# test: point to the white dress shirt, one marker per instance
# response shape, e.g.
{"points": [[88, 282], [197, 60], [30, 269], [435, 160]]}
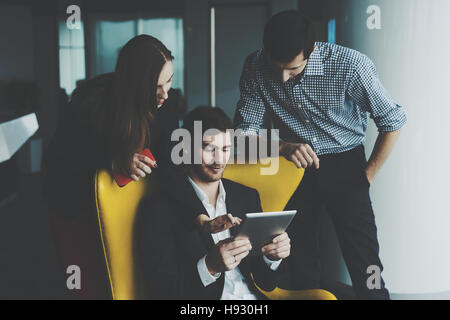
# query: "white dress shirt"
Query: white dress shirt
{"points": [[235, 287]]}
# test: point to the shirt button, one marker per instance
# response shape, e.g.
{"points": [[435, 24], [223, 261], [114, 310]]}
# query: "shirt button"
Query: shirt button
{"points": [[315, 140], [307, 121]]}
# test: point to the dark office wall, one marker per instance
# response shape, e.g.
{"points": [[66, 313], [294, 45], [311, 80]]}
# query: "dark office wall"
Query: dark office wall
{"points": [[46, 67], [197, 52], [241, 24], [318, 11], [16, 40], [28, 265], [28, 42]]}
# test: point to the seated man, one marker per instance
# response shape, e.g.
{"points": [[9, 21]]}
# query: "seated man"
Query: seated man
{"points": [[182, 260]]}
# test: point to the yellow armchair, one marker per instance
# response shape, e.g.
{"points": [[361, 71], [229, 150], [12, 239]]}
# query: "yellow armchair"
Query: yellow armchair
{"points": [[117, 208], [116, 212], [275, 192]]}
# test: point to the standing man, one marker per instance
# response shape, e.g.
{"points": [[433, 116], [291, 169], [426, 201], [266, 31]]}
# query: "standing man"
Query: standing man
{"points": [[319, 96]]}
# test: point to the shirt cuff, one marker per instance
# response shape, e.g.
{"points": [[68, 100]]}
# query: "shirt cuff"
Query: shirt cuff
{"points": [[204, 274], [273, 265], [394, 121], [246, 130]]}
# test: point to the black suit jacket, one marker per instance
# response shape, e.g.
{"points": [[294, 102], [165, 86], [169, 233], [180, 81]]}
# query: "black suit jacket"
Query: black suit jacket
{"points": [[169, 244]]}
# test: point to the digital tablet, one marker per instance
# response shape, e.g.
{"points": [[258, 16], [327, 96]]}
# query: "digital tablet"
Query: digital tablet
{"points": [[260, 228]]}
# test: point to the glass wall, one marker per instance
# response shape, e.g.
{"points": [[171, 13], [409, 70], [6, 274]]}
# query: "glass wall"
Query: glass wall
{"points": [[72, 65], [110, 36]]}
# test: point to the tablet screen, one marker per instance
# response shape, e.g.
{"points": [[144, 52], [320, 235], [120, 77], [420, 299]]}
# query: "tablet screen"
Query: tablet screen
{"points": [[260, 228]]}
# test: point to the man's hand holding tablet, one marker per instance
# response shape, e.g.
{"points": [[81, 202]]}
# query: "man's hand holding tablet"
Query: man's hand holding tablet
{"points": [[267, 233], [280, 248], [227, 255]]}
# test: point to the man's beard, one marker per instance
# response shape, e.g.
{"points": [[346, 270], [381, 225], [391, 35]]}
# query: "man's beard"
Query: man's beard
{"points": [[206, 173]]}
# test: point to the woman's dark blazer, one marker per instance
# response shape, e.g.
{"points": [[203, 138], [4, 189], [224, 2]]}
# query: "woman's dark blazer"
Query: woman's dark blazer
{"points": [[77, 150]]}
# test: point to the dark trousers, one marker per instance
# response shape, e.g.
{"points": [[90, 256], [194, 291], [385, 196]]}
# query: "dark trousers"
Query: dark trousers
{"points": [[340, 185]]}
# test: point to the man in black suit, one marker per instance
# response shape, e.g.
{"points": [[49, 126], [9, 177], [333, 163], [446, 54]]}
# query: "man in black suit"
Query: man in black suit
{"points": [[178, 257]]}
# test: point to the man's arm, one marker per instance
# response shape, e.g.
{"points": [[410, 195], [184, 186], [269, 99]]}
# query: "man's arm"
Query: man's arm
{"points": [[250, 111], [367, 90], [168, 272], [381, 151], [301, 154]]}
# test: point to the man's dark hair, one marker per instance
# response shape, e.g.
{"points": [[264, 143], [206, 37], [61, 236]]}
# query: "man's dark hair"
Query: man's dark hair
{"points": [[287, 34], [211, 118]]}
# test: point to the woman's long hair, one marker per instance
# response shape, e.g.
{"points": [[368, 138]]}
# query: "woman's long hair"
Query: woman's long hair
{"points": [[132, 103]]}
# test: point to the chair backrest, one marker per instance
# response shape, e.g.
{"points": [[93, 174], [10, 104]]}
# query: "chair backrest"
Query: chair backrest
{"points": [[117, 208], [274, 190]]}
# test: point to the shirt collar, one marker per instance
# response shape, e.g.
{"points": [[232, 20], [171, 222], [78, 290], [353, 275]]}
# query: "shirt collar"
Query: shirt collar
{"points": [[314, 67], [202, 195]]}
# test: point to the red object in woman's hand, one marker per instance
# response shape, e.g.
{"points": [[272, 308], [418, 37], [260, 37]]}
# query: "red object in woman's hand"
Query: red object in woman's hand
{"points": [[121, 179]]}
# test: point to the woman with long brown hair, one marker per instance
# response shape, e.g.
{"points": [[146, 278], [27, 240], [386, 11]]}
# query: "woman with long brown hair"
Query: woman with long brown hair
{"points": [[110, 120], [141, 83]]}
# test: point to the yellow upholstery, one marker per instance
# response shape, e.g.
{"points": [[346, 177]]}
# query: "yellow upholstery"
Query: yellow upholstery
{"points": [[117, 208], [275, 192], [282, 294]]}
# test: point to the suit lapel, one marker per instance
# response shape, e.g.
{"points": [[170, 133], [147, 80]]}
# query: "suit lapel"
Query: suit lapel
{"points": [[233, 204], [190, 205], [182, 192]]}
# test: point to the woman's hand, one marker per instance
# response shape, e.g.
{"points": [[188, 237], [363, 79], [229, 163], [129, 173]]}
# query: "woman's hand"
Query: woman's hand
{"points": [[219, 224], [141, 166]]}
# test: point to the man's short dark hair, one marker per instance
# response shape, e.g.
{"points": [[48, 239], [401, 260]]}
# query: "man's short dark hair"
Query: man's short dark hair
{"points": [[211, 118], [287, 34]]}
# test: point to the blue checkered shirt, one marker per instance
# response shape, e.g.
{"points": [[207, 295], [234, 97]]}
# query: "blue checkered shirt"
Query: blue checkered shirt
{"points": [[327, 106]]}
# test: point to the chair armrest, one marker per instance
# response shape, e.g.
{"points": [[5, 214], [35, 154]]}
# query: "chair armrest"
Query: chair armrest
{"points": [[283, 294], [314, 294]]}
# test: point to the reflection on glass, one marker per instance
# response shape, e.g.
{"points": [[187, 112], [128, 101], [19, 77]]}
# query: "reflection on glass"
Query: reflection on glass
{"points": [[72, 66], [110, 36]]}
